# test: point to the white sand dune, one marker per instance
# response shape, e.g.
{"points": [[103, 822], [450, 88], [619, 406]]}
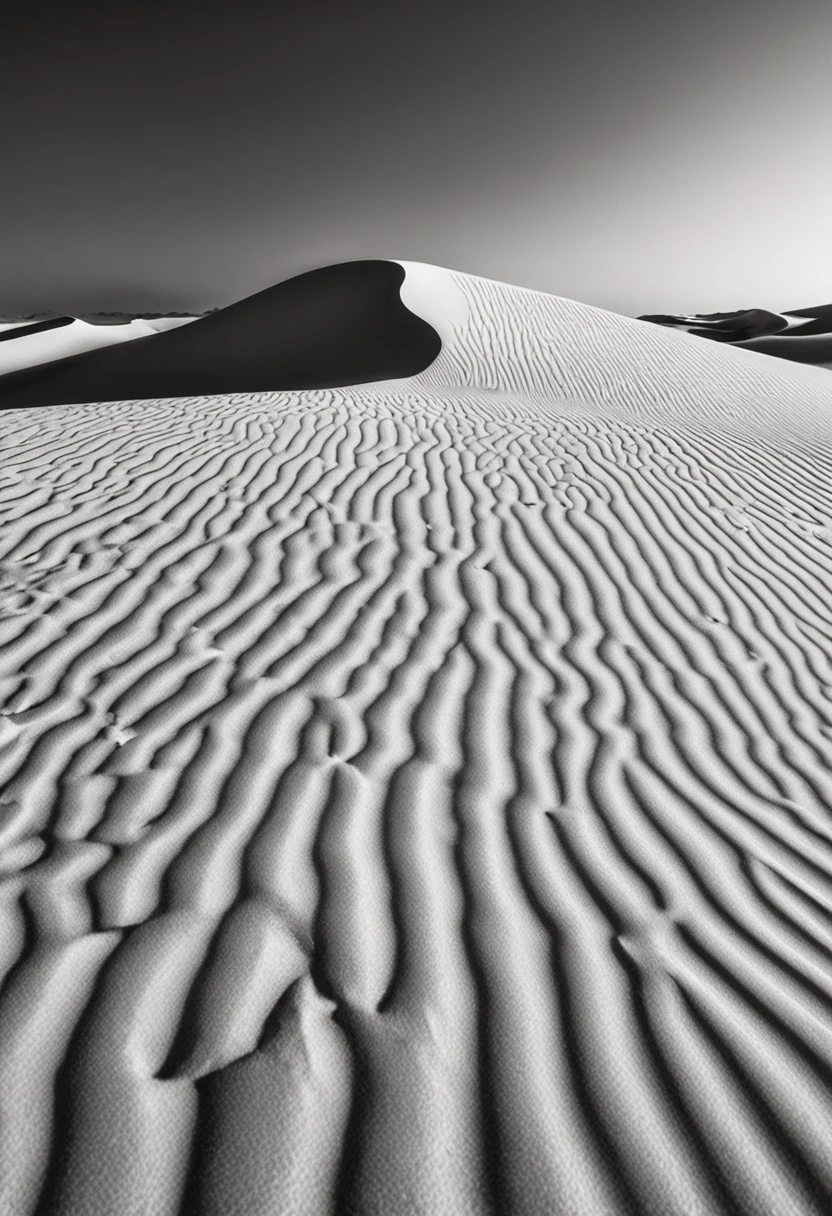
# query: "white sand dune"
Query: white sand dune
{"points": [[32, 349], [417, 795], [161, 325]]}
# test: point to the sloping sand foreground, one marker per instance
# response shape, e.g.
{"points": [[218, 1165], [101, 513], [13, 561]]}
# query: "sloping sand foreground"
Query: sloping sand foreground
{"points": [[417, 795]]}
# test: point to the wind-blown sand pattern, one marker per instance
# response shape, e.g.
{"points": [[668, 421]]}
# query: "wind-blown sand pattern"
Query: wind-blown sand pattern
{"points": [[417, 795]]}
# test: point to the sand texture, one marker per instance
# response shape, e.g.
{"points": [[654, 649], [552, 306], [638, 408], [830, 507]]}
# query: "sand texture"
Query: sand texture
{"points": [[416, 796]]}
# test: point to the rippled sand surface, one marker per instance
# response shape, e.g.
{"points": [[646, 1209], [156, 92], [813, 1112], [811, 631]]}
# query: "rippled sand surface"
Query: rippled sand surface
{"points": [[416, 796]]}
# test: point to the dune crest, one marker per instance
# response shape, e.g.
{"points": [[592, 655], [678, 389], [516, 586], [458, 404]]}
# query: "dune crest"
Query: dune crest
{"points": [[336, 325], [416, 793], [26, 347]]}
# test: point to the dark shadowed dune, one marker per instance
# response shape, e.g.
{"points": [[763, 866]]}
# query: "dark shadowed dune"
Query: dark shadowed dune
{"points": [[817, 320], [38, 327], [803, 335], [751, 323], [802, 348], [339, 325]]}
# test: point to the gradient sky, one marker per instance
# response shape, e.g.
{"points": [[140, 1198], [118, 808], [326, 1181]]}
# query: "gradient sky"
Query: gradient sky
{"points": [[641, 155]]}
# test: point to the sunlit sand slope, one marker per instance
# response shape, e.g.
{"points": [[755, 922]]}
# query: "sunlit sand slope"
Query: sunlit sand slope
{"points": [[417, 795]]}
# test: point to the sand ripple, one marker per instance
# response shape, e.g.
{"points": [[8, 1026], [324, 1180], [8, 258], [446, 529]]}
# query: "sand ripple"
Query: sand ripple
{"points": [[416, 797]]}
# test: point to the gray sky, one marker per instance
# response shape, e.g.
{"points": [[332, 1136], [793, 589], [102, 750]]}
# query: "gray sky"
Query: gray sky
{"points": [[644, 156]]}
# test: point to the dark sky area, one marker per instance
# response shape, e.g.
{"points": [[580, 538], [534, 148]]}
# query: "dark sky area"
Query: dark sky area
{"points": [[641, 155]]}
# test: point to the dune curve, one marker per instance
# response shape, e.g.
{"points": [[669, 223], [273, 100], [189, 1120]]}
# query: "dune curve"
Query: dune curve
{"points": [[416, 794], [27, 349], [802, 334], [333, 326]]}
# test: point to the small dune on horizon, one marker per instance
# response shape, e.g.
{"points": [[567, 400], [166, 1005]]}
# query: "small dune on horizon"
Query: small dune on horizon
{"points": [[28, 345], [416, 790], [803, 335]]}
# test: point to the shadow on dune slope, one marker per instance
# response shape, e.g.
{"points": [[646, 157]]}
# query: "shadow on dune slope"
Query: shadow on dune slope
{"points": [[339, 325], [36, 327]]}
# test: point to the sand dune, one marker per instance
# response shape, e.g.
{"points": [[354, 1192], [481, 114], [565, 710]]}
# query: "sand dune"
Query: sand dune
{"points": [[416, 794], [333, 326], [10, 331], [25, 346], [803, 335]]}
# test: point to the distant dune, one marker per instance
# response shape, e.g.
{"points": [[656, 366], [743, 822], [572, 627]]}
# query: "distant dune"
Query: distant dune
{"points": [[26, 346], [803, 335], [13, 331], [337, 325], [416, 793]]}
